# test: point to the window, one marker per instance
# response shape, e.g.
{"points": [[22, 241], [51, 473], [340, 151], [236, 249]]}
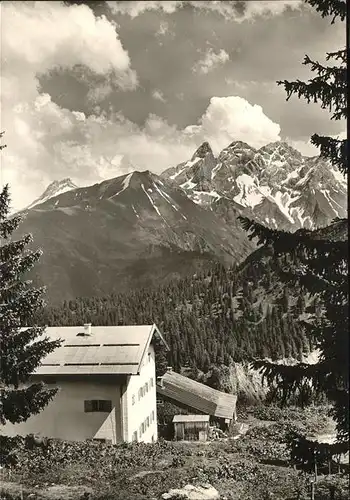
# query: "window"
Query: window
{"points": [[147, 422], [160, 402], [140, 393], [146, 387], [153, 438], [134, 436], [143, 427], [149, 357], [133, 399], [97, 405], [152, 416], [151, 382], [140, 430]]}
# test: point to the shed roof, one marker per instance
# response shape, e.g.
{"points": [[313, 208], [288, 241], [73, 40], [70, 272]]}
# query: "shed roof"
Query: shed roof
{"points": [[190, 418], [107, 350], [196, 395]]}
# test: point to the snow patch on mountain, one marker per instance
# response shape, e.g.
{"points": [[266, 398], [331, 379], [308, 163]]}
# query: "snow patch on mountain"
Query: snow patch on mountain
{"points": [[205, 197], [125, 184], [151, 201], [335, 206], [283, 201], [249, 194], [169, 200], [166, 198], [187, 165], [292, 175], [54, 189], [134, 210], [215, 170], [188, 184], [172, 177]]}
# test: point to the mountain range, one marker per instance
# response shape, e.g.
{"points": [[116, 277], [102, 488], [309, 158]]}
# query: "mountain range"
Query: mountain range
{"points": [[126, 232], [140, 229], [274, 185]]}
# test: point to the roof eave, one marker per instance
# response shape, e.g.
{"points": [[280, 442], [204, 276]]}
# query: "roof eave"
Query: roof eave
{"points": [[153, 329]]}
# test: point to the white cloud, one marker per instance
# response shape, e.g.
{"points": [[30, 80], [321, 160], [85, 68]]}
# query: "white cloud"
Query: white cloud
{"points": [[135, 8], [227, 9], [158, 95], [91, 149], [35, 38], [46, 142], [233, 118], [211, 60], [269, 8]]}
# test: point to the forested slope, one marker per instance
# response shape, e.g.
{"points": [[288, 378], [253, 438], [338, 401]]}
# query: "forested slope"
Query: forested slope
{"points": [[210, 318]]}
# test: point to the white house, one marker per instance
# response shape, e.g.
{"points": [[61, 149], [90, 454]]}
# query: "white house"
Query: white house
{"points": [[106, 381]]}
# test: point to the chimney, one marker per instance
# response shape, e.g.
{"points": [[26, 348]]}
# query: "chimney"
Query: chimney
{"points": [[87, 328], [160, 381], [169, 368]]}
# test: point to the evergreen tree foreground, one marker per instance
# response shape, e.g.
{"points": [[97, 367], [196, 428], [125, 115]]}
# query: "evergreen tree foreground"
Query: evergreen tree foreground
{"points": [[22, 349], [323, 269]]}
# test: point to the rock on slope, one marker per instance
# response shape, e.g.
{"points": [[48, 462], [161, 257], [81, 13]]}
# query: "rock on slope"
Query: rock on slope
{"points": [[129, 231], [274, 185]]}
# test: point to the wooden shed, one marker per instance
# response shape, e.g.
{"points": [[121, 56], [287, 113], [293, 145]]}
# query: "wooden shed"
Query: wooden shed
{"points": [[191, 427], [221, 407]]}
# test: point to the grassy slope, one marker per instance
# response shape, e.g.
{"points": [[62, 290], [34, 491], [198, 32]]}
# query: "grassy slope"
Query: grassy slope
{"points": [[242, 469]]}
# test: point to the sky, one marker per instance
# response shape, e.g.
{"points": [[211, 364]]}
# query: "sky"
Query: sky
{"points": [[94, 90]]}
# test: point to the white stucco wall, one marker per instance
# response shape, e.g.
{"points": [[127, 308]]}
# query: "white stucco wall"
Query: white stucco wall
{"points": [[65, 418], [138, 412]]}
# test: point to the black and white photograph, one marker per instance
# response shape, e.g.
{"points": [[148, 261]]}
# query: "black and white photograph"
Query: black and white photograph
{"points": [[174, 302]]}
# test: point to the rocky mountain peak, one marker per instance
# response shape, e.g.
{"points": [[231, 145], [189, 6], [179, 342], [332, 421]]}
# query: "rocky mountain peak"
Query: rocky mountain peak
{"points": [[203, 150], [58, 185], [55, 188], [275, 185], [281, 148], [238, 145]]}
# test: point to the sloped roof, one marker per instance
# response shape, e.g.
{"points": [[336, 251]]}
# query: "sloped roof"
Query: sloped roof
{"points": [[190, 418], [196, 395], [107, 350]]}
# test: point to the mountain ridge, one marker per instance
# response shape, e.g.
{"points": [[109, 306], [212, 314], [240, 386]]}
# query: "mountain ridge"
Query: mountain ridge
{"points": [[275, 185], [126, 232]]}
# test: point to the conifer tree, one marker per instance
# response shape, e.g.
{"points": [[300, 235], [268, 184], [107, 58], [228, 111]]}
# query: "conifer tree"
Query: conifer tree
{"points": [[21, 350], [322, 255]]}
